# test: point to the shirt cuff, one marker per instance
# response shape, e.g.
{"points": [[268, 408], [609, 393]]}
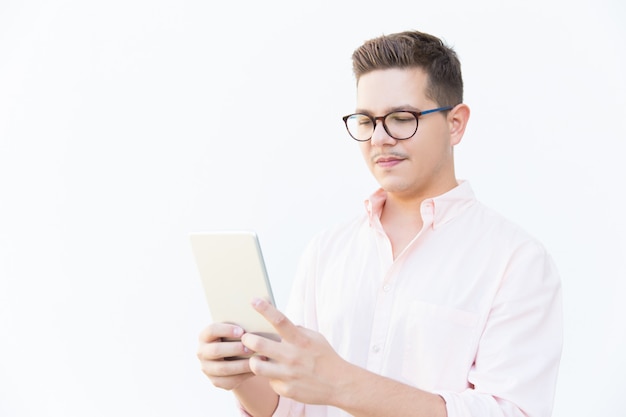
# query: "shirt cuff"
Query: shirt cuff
{"points": [[288, 408], [455, 407]]}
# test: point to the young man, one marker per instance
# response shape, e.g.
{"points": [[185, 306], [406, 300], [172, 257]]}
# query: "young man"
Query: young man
{"points": [[429, 304]]}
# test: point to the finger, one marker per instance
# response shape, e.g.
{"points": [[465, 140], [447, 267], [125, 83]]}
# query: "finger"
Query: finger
{"points": [[222, 350], [261, 345], [217, 331], [224, 368], [227, 374], [284, 327], [261, 365]]}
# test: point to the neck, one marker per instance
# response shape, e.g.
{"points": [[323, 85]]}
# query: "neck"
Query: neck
{"points": [[401, 216], [409, 203]]}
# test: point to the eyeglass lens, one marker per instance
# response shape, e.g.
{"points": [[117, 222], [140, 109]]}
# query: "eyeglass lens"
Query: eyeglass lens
{"points": [[399, 125]]}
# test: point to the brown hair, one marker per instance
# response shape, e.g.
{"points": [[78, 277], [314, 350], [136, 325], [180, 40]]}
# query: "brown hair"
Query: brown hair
{"points": [[413, 49]]}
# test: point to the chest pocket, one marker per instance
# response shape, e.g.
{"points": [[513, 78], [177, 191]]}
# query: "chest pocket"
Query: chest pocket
{"points": [[439, 346]]}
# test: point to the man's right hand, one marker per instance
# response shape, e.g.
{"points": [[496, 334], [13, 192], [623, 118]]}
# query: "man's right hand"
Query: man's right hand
{"points": [[214, 354]]}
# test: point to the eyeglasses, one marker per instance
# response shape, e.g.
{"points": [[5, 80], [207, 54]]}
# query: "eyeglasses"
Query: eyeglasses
{"points": [[400, 125]]}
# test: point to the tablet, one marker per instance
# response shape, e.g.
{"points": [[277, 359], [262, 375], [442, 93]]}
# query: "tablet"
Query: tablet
{"points": [[232, 271]]}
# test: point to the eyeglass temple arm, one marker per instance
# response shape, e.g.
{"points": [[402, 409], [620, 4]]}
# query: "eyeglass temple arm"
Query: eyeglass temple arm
{"points": [[436, 110]]}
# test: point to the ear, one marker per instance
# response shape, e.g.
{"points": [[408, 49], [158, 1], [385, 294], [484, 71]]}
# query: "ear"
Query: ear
{"points": [[457, 121]]}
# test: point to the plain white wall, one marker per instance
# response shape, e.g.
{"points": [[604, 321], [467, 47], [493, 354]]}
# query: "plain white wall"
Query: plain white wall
{"points": [[124, 125]]}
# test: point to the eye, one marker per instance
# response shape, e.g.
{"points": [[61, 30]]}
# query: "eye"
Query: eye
{"points": [[401, 117], [362, 120]]}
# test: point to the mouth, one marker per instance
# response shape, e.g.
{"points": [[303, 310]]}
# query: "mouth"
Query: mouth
{"points": [[388, 161]]}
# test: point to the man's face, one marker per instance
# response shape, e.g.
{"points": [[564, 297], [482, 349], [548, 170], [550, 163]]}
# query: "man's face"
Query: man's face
{"points": [[421, 166]]}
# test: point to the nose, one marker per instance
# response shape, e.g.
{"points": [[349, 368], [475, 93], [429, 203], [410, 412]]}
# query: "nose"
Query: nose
{"points": [[380, 136]]}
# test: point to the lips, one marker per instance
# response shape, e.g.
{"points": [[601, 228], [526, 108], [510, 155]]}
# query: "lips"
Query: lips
{"points": [[388, 161]]}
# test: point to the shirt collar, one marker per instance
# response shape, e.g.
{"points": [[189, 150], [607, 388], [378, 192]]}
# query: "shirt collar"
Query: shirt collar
{"points": [[441, 209]]}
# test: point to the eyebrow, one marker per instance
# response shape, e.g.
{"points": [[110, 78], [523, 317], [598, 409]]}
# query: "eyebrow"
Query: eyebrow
{"points": [[391, 109]]}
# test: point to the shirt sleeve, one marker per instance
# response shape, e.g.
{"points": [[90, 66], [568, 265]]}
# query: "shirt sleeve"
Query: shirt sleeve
{"points": [[516, 365]]}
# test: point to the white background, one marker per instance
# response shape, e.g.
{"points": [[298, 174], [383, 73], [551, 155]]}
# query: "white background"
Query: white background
{"points": [[125, 125]]}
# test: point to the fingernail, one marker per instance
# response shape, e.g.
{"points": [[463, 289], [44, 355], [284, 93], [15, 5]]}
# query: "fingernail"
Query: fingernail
{"points": [[237, 331], [256, 301]]}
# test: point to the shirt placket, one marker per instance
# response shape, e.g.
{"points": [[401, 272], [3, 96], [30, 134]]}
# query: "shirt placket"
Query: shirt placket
{"points": [[384, 300], [380, 325]]}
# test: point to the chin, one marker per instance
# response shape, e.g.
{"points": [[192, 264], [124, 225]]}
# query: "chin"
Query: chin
{"points": [[396, 187]]}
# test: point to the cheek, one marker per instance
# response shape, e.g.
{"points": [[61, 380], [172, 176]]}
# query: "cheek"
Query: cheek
{"points": [[432, 144], [365, 151]]}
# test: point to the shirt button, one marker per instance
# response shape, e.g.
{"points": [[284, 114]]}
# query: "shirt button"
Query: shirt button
{"points": [[386, 288], [375, 348]]}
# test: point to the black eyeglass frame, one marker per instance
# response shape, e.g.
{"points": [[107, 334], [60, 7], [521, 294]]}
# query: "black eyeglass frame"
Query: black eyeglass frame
{"points": [[416, 114]]}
